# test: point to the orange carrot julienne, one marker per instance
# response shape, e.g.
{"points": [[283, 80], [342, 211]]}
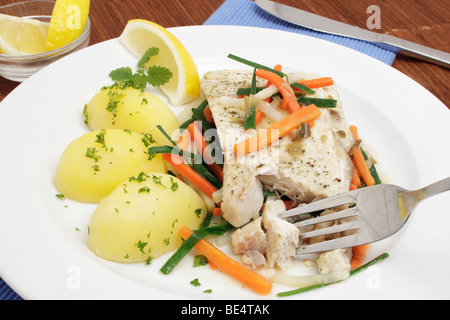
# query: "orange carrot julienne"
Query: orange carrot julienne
{"points": [[318, 83], [229, 266], [359, 253], [202, 145], [356, 180], [259, 115], [217, 212], [184, 141], [283, 104], [360, 162], [208, 114], [187, 172], [278, 67], [282, 87], [274, 132]]}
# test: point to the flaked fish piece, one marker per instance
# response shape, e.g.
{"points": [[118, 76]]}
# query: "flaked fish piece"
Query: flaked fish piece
{"points": [[249, 237], [302, 169], [336, 260], [268, 241], [242, 194], [282, 236]]}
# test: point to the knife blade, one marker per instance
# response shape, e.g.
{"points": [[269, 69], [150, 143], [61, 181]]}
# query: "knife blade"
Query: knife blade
{"points": [[322, 24]]}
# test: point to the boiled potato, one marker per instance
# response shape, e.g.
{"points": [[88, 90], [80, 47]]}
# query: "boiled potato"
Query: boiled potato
{"points": [[96, 163], [129, 108], [140, 219]]}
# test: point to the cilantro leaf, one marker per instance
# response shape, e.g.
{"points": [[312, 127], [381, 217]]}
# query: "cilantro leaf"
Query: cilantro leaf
{"points": [[157, 76], [151, 52]]}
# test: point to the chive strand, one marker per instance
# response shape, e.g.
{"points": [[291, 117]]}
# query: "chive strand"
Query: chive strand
{"points": [[255, 65], [317, 286]]}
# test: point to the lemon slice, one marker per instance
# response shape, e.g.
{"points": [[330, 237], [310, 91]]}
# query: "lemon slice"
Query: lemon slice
{"points": [[68, 20], [139, 35], [21, 36]]}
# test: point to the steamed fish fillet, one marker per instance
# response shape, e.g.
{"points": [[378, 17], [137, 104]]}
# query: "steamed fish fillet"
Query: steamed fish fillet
{"points": [[303, 170]]}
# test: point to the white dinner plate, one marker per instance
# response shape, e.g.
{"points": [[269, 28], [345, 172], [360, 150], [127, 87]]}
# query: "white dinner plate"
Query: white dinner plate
{"points": [[43, 251]]}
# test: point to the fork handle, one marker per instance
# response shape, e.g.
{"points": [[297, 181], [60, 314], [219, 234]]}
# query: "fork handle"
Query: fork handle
{"points": [[436, 188]]}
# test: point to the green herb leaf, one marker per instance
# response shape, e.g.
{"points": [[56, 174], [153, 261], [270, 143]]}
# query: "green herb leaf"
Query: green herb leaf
{"points": [[157, 76], [151, 52], [121, 74]]}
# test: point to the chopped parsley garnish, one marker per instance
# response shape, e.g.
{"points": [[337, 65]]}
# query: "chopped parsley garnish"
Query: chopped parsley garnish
{"points": [[144, 190], [174, 186], [195, 282], [60, 196], [157, 180], [91, 153], [148, 140], [199, 261], [140, 178], [141, 245], [101, 138], [115, 97]]}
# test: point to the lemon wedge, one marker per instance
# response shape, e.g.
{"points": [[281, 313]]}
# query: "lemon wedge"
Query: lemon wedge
{"points": [[68, 20], [22, 36], [139, 35]]}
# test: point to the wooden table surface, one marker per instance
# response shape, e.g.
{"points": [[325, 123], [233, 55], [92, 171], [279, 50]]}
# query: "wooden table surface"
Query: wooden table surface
{"points": [[426, 22]]}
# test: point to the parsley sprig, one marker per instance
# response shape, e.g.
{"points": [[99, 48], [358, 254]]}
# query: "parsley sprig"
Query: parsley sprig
{"points": [[153, 75]]}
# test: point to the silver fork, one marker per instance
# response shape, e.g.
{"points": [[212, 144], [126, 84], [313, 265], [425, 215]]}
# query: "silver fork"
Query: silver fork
{"points": [[370, 214]]}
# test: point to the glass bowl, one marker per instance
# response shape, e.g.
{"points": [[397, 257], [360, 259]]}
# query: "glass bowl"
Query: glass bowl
{"points": [[20, 67]]}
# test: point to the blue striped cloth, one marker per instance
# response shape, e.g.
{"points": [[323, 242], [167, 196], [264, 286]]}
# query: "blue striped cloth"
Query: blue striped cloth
{"points": [[247, 13], [6, 293]]}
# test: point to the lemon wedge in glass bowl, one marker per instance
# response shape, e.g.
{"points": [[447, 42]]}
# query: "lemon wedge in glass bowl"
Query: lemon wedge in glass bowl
{"points": [[140, 35], [67, 24], [20, 36], [24, 31]]}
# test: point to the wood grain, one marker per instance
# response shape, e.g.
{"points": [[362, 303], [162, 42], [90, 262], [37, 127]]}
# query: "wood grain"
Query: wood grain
{"points": [[425, 22]]}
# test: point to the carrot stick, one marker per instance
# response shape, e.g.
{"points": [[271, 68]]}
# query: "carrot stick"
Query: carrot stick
{"points": [[278, 67], [187, 172], [202, 145], [217, 212], [259, 116], [318, 83], [266, 136], [359, 254], [360, 163], [356, 180], [228, 265], [283, 104], [282, 87], [184, 141], [208, 114]]}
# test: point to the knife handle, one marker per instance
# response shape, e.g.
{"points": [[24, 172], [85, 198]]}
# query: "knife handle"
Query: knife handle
{"points": [[418, 51]]}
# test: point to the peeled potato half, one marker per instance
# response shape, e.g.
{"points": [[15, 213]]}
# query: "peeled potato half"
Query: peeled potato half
{"points": [[140, 219], [138, 111], [93, 165]]}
